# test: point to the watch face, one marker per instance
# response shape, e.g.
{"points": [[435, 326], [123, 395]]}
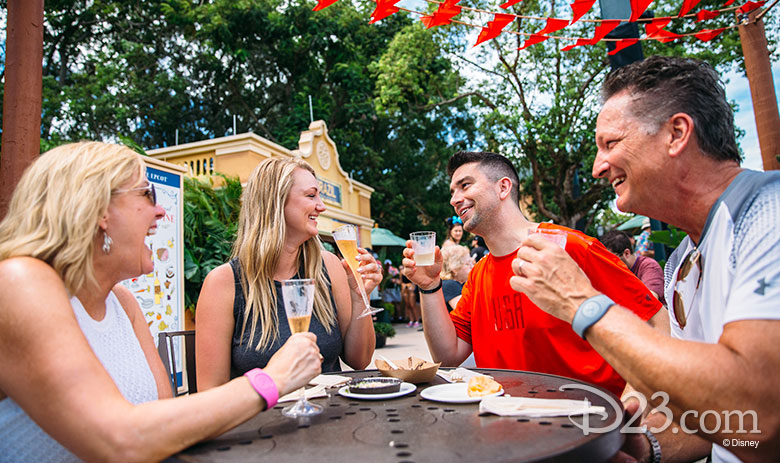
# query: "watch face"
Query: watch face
{"points": [[590, 309]]}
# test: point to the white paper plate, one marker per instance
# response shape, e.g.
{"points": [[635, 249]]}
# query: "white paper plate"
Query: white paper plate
{"points": [[454, 393], [406, 388]]}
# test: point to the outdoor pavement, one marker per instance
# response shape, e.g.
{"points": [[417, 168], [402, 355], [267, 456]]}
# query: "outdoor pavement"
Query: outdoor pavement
{"points": [[407, 341]]}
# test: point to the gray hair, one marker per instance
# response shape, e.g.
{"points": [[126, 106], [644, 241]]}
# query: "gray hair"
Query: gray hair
{"points": [[662, 86]]}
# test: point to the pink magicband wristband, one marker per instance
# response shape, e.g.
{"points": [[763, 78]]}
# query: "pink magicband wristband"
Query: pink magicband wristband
{"points": [[264, 385]]}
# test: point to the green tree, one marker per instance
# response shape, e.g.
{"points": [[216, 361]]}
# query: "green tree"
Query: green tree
{"points": [[149, 68], [538, 106], [210, 223]]}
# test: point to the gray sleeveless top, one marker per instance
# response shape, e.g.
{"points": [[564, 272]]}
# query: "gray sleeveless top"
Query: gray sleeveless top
{"points": [[244, 357]]}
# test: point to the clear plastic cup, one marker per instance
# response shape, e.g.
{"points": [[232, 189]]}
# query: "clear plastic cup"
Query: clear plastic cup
{"points": [[556, 236], [424, 246]]}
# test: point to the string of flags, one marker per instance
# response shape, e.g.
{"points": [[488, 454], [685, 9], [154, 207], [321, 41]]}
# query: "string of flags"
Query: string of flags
{"points": [[655, 28]]}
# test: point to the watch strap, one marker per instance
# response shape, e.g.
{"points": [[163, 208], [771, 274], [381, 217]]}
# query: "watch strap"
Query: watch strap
{"points": [[432, 290], [589, 312], [655, 447], [264, 386]]}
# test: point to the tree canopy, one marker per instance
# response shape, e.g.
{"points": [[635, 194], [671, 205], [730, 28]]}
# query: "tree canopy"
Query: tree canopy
{"points": [[398, 98]]}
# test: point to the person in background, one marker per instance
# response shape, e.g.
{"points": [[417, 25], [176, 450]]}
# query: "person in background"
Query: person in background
{"points": [[409, 295], [499, 325], [80, 376], [643, 245], [454, 232], [666, 144], [391, 290], [478, 249], [241, 320], [455, 266], [645, 268]]}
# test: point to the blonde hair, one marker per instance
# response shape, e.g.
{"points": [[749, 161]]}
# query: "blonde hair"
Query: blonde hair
{"points": [[452, 258], [56, 206], [261, 230]]}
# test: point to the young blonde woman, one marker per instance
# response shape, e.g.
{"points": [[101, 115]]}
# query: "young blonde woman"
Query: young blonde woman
{"points": [[241, 320], [80, 377]]}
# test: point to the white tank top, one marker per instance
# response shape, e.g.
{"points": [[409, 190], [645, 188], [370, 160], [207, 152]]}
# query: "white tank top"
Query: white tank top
{"points": [[116, 346]]}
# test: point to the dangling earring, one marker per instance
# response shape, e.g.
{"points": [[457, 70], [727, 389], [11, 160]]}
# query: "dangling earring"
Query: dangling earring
{"points": [[107, 242]]}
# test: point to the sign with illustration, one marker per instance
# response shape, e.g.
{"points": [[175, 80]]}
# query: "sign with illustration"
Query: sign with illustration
{"points": [[161, 292]]}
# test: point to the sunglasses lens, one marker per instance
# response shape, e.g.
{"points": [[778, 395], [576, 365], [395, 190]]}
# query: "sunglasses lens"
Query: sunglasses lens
{"points": [[679, 309], [686, 285], [154, 195]]}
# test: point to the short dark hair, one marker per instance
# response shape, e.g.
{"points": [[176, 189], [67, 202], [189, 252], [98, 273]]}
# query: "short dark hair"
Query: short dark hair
{"points": [[495, 166], [663, 86], [616, 241]]}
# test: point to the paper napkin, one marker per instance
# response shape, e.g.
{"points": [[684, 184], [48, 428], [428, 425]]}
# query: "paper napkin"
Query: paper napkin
{"points": [[535, 408], [329, 380], [458, 375], [311, 393]]}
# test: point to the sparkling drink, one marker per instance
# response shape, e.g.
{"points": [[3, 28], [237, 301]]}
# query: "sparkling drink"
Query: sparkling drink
{"points": [[346, 240], [298, 296], [349, 250], [299, 324]]}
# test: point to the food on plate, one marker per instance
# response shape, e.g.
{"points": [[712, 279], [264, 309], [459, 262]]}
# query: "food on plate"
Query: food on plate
{"points": [[480, 386], [411, 369], [375, 386]]}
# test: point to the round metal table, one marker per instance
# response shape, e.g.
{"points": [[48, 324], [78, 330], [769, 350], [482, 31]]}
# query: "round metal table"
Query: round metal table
{"points": [[412, 429]]}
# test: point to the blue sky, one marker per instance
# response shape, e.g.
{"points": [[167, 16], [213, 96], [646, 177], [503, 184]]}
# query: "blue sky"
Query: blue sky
{"points": [[737, 89]]}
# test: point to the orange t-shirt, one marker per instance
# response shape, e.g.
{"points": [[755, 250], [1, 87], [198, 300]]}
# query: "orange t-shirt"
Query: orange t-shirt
{"points": [[507, 330]]}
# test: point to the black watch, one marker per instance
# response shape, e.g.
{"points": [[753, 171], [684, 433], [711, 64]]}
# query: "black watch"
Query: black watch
{"points": [[432, 290]]}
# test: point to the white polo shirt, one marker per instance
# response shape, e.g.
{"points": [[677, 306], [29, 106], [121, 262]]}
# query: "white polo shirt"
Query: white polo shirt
{"points": [[740, 252]]}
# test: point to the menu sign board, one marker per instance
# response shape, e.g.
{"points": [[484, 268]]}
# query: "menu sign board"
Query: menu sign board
{"points": [[161, 292]]}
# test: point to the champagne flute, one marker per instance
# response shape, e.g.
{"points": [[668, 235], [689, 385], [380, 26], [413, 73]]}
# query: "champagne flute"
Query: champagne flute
{"points": [[346, 240], [298, 296]]}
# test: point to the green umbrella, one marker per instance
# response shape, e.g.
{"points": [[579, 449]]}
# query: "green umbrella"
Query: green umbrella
{"points": [[632, 223], [384, 237]]}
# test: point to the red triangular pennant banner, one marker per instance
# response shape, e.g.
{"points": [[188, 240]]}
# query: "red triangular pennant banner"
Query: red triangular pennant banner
{"points": [[603, 29], [443, 15], [637, 8], [656, 25], [664, 36], [510, 3], [621, 44], [580, 42], [322, 4], [687, 6], [384, 8], [553, 24], [579, 8], [749, 6], [533, 40], [494, 27], [708, 34], [729, 2], [703, 15]]}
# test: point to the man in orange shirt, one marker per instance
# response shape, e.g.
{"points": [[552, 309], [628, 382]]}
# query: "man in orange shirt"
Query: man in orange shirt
{"points": [[502, 327]]}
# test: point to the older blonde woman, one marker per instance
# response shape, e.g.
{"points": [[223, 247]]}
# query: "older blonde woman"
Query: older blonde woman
{"points": [[241, 320], [79, 373], [456, 265]]}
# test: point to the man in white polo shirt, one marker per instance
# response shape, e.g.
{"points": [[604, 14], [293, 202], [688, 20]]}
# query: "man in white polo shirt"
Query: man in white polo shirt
{"points": [[665, 138]]}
